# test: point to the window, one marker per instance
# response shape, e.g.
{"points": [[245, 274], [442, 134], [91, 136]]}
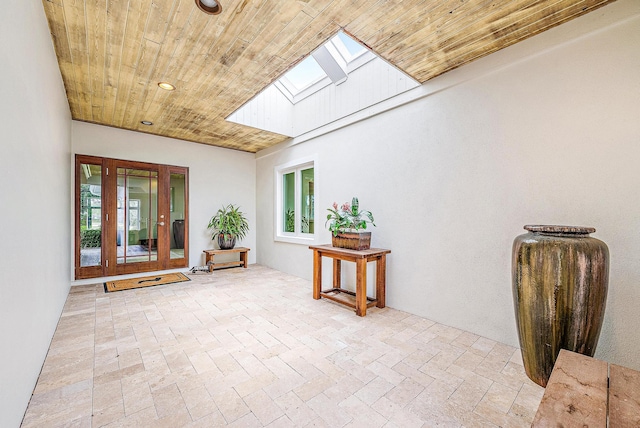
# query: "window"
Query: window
{"points": [[317, 93], [134, 214], [95, 213], [305, 74], [329, 63], [91, 199], [303, 80], [349, 49], [295, 201]]}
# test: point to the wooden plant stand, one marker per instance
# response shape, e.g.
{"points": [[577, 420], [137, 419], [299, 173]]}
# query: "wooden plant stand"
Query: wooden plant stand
{"points": [[358, 300], [210, 254]]}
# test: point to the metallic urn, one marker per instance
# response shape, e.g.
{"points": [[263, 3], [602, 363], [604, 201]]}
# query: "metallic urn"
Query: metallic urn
{"points": [[560, 282]]}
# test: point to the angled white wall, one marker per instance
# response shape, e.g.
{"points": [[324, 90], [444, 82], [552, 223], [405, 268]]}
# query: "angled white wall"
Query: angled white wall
{"points": [[269, 110], [217, 176], [543, 132], [34, 194], [368, 85]]}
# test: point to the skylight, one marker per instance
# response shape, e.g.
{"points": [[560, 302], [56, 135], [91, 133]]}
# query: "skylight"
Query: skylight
{"points": [[329, 63], [339, 78], [305, 74], [353, 48]]}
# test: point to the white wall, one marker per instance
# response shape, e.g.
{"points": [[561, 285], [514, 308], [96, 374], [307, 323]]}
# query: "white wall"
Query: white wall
{"points": [[368, 85], [217, 176], [35, 144], [543, 132], [269, 110]]}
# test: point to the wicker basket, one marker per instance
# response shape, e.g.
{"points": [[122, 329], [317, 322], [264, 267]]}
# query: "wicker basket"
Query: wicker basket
{"points": [[352, 240]]}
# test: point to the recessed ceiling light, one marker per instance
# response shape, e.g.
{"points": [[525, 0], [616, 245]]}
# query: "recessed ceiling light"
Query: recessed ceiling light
{"points": [[166, 86], [146, 122], [210, 7]]}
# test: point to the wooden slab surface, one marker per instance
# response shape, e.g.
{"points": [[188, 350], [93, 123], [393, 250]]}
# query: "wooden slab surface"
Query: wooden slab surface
{"points": [[624, 397], [232, 250], [576, 395]]}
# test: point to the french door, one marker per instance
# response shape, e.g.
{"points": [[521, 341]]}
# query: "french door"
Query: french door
{"points": [[130, 217]]}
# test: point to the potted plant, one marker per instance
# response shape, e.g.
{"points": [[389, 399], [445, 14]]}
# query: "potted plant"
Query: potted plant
{"points": [[228, 224], [290, 222], [347, 224]]}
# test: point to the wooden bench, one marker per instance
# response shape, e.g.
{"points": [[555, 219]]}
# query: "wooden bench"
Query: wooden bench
{"points": [[584, 392], [210, 254]]}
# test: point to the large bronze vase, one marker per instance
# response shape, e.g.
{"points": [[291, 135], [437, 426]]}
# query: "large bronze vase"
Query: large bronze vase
{"points": [[560, 281]]}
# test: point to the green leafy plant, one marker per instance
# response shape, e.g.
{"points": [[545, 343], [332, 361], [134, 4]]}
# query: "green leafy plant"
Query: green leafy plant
{"points": [[290, 221], [90, 238], [230, 222], [348, 217]]}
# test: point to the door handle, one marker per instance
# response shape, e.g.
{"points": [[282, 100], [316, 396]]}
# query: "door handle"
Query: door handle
{"points": [[160, 223]]}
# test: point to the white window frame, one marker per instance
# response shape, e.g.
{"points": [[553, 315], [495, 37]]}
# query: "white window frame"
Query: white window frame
{"points": [[294, 95], [297, 166], [344, 52], [348, 62], [338, 62]]}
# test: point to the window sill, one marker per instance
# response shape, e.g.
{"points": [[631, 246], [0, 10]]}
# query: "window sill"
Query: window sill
{"points": [[302, 240]]}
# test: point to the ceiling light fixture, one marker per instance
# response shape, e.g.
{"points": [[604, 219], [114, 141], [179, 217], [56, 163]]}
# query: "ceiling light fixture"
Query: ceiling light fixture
{"points": [[166, 86], [210, 7], [146, 122]]}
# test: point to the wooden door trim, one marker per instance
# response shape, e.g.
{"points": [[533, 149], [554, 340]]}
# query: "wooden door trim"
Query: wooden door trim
{"points": [[85, 271], [184, 262]]}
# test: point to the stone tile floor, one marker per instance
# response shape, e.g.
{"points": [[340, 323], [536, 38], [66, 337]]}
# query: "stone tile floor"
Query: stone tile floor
{"points": [[251, 348]]}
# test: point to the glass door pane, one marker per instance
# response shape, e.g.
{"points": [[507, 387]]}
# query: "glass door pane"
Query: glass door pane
{"points": [[137, 214], [90, 215], [177, 208]]}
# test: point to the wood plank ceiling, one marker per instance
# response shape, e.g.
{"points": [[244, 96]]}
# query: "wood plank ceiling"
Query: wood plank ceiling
{"points": [[113, 53]]}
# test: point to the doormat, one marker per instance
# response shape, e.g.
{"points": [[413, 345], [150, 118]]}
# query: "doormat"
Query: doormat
{"points": [[147, 281]]}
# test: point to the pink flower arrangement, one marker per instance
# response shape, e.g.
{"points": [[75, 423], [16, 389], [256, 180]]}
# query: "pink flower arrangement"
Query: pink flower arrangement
{"points": [[348, 217]]}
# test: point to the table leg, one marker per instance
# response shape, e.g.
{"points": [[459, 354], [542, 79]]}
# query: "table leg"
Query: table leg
{"points": [[243, 258], [317, 273], [381, 280], [337, 273], [208, 259], [361, 287]]}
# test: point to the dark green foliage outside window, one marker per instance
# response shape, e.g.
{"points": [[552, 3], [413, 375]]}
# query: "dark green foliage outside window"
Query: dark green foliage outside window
{"points": [[90, 238]]}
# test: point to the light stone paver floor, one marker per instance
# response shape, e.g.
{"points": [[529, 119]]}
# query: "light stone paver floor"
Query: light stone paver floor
{"points": [[251, 348]]}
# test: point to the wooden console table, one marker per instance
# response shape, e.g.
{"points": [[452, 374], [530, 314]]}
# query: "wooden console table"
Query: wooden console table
{"points": [[346, 297], [210, 254], [584, 392]]}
